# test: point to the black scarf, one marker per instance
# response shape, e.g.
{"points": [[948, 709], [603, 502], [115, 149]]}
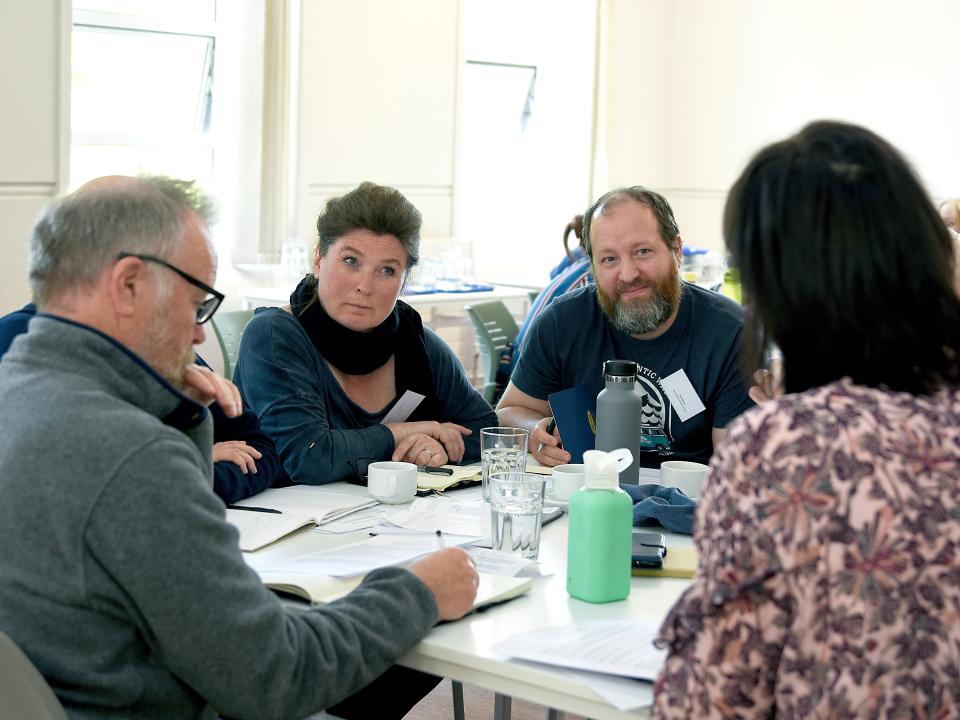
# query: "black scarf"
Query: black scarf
{"points": [[359, 353]]}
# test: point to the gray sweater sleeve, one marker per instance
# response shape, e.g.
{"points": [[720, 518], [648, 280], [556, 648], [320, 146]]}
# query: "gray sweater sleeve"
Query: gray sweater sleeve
{"points": [[160, 553]]}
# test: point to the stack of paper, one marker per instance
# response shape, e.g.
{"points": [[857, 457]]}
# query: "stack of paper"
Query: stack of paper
{"points": [[465, 519]]}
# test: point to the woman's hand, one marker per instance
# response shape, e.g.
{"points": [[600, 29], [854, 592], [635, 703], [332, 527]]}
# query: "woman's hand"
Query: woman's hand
{"points": [[420, 449], [448, 435], [239, 453]]}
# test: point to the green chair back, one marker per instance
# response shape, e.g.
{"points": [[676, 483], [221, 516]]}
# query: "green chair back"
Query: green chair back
{"points": [[494, 327], [228, 327]]}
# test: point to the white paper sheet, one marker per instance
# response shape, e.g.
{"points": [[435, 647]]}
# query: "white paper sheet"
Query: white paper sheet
{"points": [[364, 556], [404, 407], [622, 648], [492, 562]]}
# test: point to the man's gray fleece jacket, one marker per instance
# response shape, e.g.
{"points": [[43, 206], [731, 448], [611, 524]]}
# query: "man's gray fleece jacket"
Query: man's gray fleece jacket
{"points": [[119, 577]]}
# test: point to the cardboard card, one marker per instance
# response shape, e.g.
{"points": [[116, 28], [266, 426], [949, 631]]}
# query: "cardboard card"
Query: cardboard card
{"points": [[575, 410]]}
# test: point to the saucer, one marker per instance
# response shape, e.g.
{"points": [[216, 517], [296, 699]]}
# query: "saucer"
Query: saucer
{"points": [[550, 502]]}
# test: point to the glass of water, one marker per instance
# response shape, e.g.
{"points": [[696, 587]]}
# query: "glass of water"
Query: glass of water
{"points": [[516, 511], [502, 449]]}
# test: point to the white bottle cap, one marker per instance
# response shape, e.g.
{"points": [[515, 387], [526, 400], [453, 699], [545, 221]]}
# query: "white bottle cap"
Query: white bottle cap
{"points": [[602, 469]]}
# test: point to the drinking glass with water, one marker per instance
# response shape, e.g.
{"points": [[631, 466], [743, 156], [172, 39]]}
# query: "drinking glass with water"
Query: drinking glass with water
{"points": [[502, 449], [516, 512]]}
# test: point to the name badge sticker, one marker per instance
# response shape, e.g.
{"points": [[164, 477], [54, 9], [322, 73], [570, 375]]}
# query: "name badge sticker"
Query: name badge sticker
{"points": [[404, 407], [682, 396]]}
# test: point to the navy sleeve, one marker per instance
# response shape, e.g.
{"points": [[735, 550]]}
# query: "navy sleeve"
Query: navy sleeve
{"points": [[13, 324], [279, 378], [460, 402], [539, 369], [229, 481]]}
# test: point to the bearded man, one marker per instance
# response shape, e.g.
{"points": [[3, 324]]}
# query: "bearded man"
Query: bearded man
{"points": [[638, 310]]}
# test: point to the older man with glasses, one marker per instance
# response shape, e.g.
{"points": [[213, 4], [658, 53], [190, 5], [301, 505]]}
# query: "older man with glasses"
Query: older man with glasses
{"points": [[119, 577], [245, 458]]}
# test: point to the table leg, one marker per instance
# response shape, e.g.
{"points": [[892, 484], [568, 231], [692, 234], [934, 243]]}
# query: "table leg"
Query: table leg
{"points": [[457, 688], [501, 707]]}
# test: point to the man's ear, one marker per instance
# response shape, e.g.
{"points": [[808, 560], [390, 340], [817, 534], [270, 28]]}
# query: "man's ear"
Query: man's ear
{"points": [[127, 285], [678, 248]]}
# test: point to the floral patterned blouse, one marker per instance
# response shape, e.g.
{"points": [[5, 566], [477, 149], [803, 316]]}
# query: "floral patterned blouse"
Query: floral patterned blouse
{"points": [[829, 577]]}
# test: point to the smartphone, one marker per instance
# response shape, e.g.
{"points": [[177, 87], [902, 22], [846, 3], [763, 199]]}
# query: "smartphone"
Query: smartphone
{"points": [[649, 549]]}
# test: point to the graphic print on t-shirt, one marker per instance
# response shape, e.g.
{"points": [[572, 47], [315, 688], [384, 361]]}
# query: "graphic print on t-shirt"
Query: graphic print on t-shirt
{"points": [[655, 436]]}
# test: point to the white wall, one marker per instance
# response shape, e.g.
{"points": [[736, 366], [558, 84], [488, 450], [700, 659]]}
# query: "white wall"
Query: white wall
{"points": [[378, 101], [30, 148], [701, 85]]}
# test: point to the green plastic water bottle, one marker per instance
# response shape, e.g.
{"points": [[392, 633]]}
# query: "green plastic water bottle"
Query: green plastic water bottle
{"points": [[600, 530]]}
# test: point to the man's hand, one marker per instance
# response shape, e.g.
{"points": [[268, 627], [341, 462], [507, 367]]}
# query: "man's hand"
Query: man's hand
{"points": [[420, 449], [452, 578], [545, 446], [237, 452], [206, 387]]}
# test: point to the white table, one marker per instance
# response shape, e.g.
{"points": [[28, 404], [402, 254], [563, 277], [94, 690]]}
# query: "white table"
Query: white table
{"points": [[461, 650]]}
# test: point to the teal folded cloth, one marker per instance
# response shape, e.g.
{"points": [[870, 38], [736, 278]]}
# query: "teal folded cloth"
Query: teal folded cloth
{"points": [[659, 505]]}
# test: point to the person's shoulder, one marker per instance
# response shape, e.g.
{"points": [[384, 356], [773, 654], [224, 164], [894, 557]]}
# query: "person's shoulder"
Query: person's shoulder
{"points": [[575, 302], [268, 322], [713, 304]]}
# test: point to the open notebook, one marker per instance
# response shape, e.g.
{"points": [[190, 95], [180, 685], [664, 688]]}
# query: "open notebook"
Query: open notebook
{"points": [[297, 506], [320, 589]]}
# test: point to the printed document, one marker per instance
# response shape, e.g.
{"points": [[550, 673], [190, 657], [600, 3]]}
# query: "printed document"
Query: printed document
{"points": [[612, 647]]}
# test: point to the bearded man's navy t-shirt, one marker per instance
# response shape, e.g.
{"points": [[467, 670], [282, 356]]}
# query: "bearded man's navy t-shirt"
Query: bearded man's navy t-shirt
{"points": [[572, 338]]}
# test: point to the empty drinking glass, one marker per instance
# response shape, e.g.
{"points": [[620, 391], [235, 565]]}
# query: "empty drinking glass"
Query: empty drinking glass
{"points": [[516, 512]]}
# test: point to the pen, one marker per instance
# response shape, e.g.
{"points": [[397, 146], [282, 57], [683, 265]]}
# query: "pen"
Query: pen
{"points": [[550, 428], [440, 542], [254, 509], [435, 470]]}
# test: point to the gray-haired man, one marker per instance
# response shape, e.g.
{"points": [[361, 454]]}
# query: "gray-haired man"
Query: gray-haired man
{"points": [[119, 577]]}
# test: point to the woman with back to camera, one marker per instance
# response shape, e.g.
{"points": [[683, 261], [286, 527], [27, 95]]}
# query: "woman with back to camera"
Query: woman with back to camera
{"points": [[323, 372], [829, 525]]}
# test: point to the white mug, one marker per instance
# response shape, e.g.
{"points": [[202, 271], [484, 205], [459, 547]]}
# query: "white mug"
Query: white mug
{"points": [[567, 479], [392, 482], [687, 476]]}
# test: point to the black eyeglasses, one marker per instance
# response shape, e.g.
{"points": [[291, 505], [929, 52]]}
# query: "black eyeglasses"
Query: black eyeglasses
{"points": [[208, 307]]}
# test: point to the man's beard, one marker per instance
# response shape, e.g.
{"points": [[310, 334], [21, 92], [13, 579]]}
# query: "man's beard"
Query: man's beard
{"points": [[163, 355], [640, 316]]}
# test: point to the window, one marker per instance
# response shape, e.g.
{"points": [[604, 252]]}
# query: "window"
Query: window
{"points": [[173, 87], [525, 133]]}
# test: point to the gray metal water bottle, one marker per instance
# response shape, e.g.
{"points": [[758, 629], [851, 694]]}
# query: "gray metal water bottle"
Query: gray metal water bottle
{"points": [[618, 414]]}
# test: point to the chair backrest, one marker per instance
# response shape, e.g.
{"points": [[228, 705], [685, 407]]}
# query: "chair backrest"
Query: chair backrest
{"points": [[494, 328], [228, 327], [23, 691]]}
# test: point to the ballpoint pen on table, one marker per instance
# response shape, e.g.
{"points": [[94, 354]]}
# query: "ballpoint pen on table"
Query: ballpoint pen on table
{"points": [[550, 428], [440, 540], [254, 509], [435, 470]]}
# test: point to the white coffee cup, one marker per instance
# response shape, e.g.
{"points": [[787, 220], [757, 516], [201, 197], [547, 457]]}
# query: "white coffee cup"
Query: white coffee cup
{"points": [[567, 479], [392, 482], [687, 476]]}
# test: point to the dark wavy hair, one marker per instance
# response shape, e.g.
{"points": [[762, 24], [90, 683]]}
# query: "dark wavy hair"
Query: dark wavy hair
{"points": [[845, 264], [377, 208]]}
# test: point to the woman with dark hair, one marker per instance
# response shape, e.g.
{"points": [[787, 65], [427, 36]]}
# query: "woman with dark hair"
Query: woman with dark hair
{"points": [[829, 524], [329, 373]]}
